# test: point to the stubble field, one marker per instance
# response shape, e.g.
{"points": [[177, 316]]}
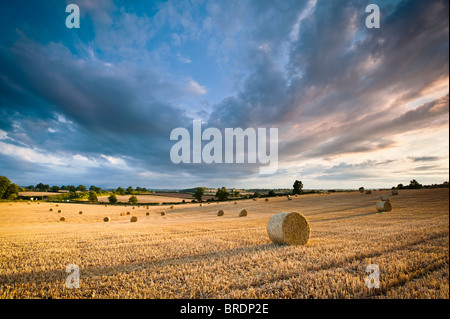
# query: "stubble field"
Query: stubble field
{"points": [[192, 253]]}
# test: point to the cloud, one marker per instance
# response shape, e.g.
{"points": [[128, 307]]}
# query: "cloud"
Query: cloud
{"points": [[424, 158], [183, 59], [195, 88], [106, 97]]}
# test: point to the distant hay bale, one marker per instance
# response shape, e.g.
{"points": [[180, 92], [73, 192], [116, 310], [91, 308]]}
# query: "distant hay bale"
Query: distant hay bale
{"points": [[50, 210], [133, 207], [235, 203], [289, 197], [62, 219], [220, 212], [106, 205], [133, 219], [288, 229], [106, 219], [147, 207], [59, 211], [128, 213], [171, 206], [147, 214], [56, 205], [201, 205], [383, 206], [122, 214], [163, 213], [255, 199], [368, 192], [242, 213], [80, 212], [385, 198], [266, 200], [394, 192]]}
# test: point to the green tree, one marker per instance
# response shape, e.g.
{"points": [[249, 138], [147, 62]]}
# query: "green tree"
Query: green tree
{"points": [[120, 191], [222, 194], [130, 190], [199, 192], [96, 189], [133, 200], [4, 186], [271, 193], [400, 186], [54, 189], [72, 189], [93, 196], [414, 184], [81, 188], [112, 199], [298, 187], [12, 192]]}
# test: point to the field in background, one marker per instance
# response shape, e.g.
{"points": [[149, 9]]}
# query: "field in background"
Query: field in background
{"points": [[192, 253], [145, 199]]}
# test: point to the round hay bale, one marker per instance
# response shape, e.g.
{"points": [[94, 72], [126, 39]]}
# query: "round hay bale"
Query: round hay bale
{"points": [[171, 206], [201, 205], [384, 206], [80, 212], [266, 200], [122, 214], [128, 213], [133, 207], [385, 198], [133, 219], [368, 192], [147, 207], [255, 199], [242, 213], [106, 219], [289, 197], [163, 213], [62, 219], [147, 214], [220, 212], [235, 203], [288, 229], [394, 192], [59, 211], [106, 205], [50, 210], [56, 205]]}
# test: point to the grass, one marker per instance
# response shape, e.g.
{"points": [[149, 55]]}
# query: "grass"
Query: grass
{"points": [[190, 253]]}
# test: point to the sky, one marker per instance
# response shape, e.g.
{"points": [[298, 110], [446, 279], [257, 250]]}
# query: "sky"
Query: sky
{"points": [[95, 105]]}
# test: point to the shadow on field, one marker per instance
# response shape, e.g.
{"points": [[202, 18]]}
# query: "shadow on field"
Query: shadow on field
{"points": [[344, 217], [36, 278]]}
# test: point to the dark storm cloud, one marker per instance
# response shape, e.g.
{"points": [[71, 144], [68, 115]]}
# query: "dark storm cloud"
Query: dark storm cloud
{"points": [[328, 83], [424, 158]]}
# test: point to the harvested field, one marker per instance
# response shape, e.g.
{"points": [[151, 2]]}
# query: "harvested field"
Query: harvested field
{"points": [[190, 253]]}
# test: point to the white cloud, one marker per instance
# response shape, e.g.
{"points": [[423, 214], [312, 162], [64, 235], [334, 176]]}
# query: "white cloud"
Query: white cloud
{"points": [[183, 59], [3, 135], [114, 160], [195, 88]]}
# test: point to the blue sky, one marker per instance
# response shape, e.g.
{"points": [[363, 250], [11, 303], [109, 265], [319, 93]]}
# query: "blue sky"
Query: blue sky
{"points": [[96, 105]]}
